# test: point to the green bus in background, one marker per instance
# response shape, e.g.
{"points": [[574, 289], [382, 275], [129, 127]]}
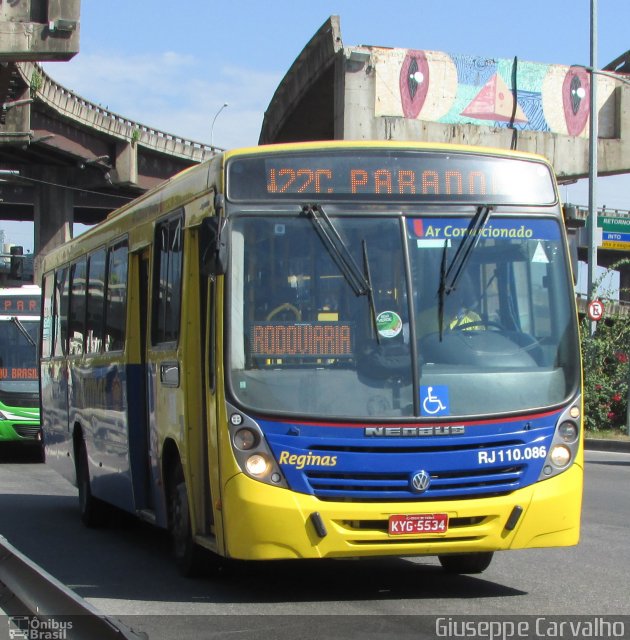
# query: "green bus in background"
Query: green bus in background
{"points": [[19, 375]]}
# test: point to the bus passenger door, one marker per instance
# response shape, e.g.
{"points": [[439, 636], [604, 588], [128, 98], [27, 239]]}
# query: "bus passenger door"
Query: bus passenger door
{"points": [[166, 383], [141, 460]]}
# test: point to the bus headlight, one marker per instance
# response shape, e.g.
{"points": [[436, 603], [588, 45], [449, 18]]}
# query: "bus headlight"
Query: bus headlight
{"points": [[251, 450], [560, 456], [565, 444], [257, 465]]}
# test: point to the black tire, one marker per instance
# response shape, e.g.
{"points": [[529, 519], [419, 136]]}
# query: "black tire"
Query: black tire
{"points": [[94, 512], [188, 555], [40, 453], [466, 562]]}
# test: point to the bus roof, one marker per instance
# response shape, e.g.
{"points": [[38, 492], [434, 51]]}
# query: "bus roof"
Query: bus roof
{"points": [[384, 144]]}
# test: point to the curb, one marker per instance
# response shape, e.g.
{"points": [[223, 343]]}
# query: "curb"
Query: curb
{"points": [[604, 444]]}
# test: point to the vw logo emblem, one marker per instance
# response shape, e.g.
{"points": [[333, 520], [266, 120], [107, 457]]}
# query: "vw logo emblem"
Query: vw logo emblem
{"points": [[420, 481]]}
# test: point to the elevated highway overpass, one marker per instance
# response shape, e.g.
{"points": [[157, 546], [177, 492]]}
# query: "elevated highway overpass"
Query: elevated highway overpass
{"points": [[64, 159]]}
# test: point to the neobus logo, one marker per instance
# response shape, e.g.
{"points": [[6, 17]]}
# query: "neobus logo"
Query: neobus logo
{"points": [[411, 432]]}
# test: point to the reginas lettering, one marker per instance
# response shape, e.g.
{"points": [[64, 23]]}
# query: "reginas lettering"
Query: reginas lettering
{"points": [[299, 461]]}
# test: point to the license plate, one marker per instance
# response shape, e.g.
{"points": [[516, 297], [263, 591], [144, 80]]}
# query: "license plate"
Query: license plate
{"points": [[401, 524]]}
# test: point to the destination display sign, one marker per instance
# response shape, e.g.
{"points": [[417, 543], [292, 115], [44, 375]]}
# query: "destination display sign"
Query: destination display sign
{"points": [[314, 339], [19, 373], [383, 174], [26, 305]]}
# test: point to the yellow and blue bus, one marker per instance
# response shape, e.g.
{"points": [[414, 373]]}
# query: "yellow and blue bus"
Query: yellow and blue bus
{"points": [[19, 374], [324, 350]]}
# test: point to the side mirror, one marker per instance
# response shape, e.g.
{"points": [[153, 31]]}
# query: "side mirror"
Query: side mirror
{"points": [[214, 257]]}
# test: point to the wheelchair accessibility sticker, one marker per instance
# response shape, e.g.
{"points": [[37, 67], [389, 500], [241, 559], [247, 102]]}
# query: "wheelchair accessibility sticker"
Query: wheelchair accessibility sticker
{"points": [[434, 401]]}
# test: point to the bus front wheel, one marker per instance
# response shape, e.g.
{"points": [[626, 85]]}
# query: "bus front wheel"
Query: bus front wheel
{"points": [[187, 553], [466, 562]]}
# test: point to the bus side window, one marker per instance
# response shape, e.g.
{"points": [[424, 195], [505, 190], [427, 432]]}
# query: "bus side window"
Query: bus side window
{"points": [[48, 315], [167, 280], [116, 297], [95, 302], [61, 312], [76, 314]]}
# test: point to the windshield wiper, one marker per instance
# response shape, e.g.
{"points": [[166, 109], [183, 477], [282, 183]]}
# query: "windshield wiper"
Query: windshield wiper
{"points": [[22, 330], [449, 277], [360, 282], [370, 292], [337, 248]]}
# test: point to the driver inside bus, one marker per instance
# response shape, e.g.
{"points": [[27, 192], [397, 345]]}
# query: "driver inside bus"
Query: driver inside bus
{"points": [[458, 311]]}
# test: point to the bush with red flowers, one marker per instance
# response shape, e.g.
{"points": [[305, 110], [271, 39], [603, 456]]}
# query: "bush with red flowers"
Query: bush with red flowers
{"points": [[606, 360]]}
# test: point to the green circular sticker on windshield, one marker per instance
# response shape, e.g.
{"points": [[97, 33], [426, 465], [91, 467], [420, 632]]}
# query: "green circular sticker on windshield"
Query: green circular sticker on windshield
{"points": [[389, 324]]}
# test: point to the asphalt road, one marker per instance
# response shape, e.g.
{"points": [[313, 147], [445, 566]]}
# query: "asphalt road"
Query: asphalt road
{"points": [[126, 572]]}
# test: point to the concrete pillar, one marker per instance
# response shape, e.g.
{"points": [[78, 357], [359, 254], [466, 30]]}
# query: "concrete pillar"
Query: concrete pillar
{"points": [[126, 164], [54, 215], [357, 86]]}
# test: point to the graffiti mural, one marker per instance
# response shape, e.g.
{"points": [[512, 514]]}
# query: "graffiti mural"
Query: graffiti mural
{"points": [[414, 83], [457, 89], [576, 99]]}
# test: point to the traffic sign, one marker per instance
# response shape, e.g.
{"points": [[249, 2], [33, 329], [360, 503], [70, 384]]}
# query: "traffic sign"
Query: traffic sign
{"points": [[615, 246], [616, 224], [615, 236], [615, 232], [595, 310]]}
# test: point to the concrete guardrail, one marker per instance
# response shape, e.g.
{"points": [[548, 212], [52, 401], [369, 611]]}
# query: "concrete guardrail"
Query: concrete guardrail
{"points": [[52, 605]]}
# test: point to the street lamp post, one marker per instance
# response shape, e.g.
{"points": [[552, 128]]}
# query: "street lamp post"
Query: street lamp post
{"points": [[216, 115], [592, 171], [592, 152]]}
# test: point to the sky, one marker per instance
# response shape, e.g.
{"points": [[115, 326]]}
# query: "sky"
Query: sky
{"points": [[171, 65]]}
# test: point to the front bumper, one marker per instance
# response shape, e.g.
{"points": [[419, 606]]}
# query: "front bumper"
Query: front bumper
{"points": [[27, 432], [264, 522]]}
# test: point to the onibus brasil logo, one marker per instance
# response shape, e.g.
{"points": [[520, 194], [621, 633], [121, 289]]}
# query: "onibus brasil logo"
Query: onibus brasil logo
{"points": [[33, 628]]}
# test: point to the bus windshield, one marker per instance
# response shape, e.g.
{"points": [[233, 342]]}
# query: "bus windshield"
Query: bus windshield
{"points": [[304, 341], [18, 355]]}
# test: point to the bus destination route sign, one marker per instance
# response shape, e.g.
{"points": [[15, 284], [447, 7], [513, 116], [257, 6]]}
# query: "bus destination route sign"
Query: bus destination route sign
{"points": [[381, 174], [23, 305]]}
